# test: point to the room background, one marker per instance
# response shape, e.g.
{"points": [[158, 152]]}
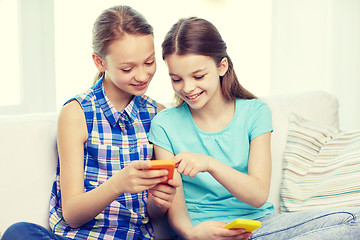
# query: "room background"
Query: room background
{"points": [[277, 46]]}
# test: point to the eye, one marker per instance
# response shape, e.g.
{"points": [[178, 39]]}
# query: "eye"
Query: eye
{"points": [[199, 77], [126, 70], [149, 63], [176, 80]]}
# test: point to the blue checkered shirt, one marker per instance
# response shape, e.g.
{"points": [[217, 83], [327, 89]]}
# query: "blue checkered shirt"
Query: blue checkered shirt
{"points": [[115, 139]]}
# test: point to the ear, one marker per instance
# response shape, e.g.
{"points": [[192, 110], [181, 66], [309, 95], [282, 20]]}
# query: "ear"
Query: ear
{"points": [[99, 63], [223, 66]]}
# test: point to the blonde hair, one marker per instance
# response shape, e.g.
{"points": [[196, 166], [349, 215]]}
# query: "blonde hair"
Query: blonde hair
{"points": [[112, 24]]}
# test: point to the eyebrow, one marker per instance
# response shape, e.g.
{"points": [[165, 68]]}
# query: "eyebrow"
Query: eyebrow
{"points": [[194, 72], [130, 63]]}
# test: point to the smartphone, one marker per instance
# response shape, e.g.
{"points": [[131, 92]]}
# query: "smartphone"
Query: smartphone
{"points": [[248, 225], [164, 164]]}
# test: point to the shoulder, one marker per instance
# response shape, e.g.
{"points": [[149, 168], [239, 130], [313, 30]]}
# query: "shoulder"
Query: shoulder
{"points": [[72, 116], [170, 117], [253, 106], [251, 103], [173, 112], [84, 98]]}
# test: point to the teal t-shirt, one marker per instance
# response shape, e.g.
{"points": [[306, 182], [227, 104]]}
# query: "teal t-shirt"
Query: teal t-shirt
{"points": [[174, 130]]}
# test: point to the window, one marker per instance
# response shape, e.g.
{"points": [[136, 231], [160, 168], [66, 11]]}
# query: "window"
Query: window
{"points": [[28, 61], [9, 48]]}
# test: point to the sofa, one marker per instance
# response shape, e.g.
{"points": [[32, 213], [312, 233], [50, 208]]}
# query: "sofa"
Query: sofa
{"points": [[28, 156]]}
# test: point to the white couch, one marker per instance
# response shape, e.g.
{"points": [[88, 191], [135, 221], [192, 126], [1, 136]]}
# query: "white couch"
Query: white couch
{"points": [[28, 156]]}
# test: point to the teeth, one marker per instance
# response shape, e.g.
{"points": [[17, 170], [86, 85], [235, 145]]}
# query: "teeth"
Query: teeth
{"points": [[193, 96]]}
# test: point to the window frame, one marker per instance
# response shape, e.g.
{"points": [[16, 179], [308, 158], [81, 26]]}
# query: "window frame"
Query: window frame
{"points": [[36, 58]]}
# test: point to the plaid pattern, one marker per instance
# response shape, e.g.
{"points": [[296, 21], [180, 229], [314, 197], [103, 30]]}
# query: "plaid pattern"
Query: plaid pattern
{"points": [[115, 139]]}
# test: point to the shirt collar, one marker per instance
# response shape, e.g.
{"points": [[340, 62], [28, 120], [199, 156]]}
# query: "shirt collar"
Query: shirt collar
{"points": [[113, 116]]}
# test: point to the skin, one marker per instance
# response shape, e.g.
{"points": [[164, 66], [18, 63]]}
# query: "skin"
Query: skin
{"points": [[196, 79], [129, 67]]}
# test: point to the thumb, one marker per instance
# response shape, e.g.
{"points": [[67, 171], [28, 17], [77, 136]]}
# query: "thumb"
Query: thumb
{"points": [[177, 159]]}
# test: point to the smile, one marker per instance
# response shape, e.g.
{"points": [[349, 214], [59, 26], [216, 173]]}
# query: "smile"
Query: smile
{"points": [[193, 97], [141, 85]]}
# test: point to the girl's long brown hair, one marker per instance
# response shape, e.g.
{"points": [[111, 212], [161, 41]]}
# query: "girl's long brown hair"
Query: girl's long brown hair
{"points": [[112, 24], [198, 36]]}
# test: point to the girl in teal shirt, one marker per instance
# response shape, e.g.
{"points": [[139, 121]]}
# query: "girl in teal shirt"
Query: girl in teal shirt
{"points": [[219, 136]]}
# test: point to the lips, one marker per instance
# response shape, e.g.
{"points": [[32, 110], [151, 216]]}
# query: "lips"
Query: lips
{"points": [[193, 97], [140, 86]]}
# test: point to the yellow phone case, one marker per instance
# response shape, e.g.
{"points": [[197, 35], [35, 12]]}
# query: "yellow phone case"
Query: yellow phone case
{"points": [[248, 225]]}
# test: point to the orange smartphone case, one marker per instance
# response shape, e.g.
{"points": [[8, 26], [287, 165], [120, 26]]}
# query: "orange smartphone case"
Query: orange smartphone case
{"points": [[164, 164]]}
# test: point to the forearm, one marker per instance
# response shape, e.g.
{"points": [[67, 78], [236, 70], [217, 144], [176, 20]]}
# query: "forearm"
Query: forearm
{"points": [[178, 216], [248, 189], [83, 207]]}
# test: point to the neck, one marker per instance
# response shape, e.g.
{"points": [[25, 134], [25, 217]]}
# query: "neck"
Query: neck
{"points": [[214, 116], [118, 98]]}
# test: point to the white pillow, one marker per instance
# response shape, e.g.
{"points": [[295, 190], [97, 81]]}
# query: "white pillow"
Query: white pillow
{"points": [[321, 167]]}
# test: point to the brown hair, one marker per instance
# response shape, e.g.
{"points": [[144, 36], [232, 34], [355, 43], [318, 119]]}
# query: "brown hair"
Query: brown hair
{"points": [[112, 24], [198, 36]]}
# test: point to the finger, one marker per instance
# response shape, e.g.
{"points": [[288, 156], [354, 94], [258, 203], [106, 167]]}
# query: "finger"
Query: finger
{"points": [[155, 173], [177, 159], [160, 193], [193, 172], [152, 182], [175, 183], [182, 166], [188, 168], [141, 165]]}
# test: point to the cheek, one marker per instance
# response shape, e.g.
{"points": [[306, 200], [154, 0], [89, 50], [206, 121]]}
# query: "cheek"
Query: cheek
{"points": [[176, 86], [151, 70]]}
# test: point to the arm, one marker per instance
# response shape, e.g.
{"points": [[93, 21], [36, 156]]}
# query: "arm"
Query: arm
{"points": [[79, 207], [178, 214], [179, 218], [252, 188]]}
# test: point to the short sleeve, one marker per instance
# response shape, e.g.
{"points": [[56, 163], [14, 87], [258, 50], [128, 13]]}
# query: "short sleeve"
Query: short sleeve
{"points": [[158, 133], [260, 120]]}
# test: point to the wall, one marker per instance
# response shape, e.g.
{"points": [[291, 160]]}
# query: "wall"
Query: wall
{"points": [[316, 46], [244, 25]]}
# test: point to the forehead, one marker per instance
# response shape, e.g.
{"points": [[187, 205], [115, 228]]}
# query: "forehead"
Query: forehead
{"points": [[131, 48], [189, 63]]}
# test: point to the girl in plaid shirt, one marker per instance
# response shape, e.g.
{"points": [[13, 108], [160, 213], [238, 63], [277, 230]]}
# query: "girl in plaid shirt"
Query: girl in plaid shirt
{"points": [[102, 189]]}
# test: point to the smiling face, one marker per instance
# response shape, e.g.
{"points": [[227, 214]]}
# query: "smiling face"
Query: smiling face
{"points": [[196, 78], [129, 65]]}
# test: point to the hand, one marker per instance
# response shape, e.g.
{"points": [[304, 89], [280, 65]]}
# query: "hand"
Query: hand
{"points": [[214, 230], [133, 178], [163, 194], [192, 163]]}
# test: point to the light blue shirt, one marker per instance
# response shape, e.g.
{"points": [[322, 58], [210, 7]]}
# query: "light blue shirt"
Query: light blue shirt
{"points": [[175, 130]]}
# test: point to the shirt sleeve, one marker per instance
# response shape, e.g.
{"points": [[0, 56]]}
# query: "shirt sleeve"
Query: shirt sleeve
{"points": [[160, 130], [260, 120]]}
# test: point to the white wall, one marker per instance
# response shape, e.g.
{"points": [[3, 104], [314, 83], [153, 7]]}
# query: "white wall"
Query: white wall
{"points": [[244, 25], [316, 46]]}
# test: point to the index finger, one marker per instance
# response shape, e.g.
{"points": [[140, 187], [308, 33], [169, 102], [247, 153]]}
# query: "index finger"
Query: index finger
{"points": [[141, 165]]}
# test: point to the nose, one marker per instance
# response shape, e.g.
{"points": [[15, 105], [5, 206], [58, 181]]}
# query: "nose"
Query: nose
{"points": [[141, 74], [189, 86]]}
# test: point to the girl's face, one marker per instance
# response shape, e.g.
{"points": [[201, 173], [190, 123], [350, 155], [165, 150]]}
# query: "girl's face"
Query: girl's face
{"points": [[130, 63], [196, 78]]}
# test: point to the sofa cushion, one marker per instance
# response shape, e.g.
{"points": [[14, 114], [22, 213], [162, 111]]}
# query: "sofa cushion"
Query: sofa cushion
{"points": [[321, 167], [318, 106]]}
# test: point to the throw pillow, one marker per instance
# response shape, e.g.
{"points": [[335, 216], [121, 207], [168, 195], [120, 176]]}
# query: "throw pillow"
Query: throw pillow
{"points": [[321, 167]]}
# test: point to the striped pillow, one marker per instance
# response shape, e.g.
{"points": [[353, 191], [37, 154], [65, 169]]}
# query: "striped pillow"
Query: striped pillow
{"points": [[321, 167]]}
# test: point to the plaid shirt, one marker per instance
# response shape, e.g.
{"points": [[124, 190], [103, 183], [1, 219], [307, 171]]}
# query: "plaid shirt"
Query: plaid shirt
{"points": [[115, 139]]}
